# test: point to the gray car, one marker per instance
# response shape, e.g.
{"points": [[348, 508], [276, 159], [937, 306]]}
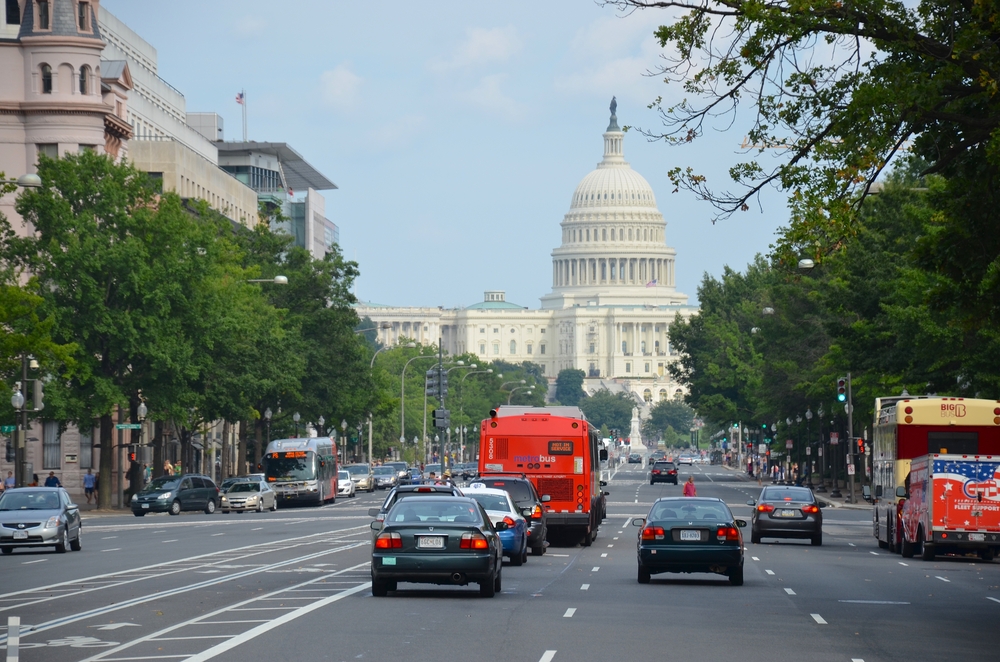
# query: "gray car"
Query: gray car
{"points": [[172, 494], [249, 495], [362, 476], [39, 517]]}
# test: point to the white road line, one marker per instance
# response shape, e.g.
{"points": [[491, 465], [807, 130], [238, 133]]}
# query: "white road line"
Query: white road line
{"points": [[547, 656], [901, 563], [616, 537], [109, 537], [257, 529], [569, 612], [604, 555], [584, 587], [218, 534], [35, 561], [559, 555], [857, 659], [610, 545], [942, 578], [770, 572], [174, 540], [113, 549], [875, 553], [818, 619], [852, 544], [789, 591], [595, 568], [993, 599], [755, 558]]}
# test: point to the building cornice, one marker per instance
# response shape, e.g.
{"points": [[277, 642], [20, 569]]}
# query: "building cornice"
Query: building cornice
{"points": [[53, 108], [62, 40]]}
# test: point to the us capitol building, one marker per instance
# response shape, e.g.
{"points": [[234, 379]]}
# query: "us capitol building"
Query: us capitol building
{"points": [[613, 294]]}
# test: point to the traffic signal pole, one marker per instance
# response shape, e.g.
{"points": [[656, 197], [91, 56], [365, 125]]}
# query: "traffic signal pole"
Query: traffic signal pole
{"points": [[850, 436]]}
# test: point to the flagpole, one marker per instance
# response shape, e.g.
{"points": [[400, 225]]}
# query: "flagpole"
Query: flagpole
{"points": [[244, 104]]}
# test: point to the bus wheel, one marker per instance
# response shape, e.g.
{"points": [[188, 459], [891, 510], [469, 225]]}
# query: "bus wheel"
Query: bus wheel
{"points": [[587, 538], [987, 554], [883, 544], [906, 548]]}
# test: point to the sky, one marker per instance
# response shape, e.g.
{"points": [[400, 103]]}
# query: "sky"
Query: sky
{"points": [[455, 131]]}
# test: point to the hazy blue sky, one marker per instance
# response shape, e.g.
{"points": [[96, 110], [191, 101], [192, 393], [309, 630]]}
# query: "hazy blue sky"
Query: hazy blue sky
{"points": [[455, 131]]}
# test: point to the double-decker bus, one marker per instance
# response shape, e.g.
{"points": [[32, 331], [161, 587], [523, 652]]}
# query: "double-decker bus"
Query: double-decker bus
{"points": [[302, 470], [908, 427], [559, 452]]}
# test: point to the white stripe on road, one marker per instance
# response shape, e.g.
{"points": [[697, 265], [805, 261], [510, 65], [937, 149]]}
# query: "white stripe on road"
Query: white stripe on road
{"points": [[993, 599], [755, 558], [35, 561], [584, 587], [547, 656], [942, 578], [604, 555], [857, 659], [610, 545], [113, 549], [818, 619], [875, 553], [789, 591], [174, 540], [595, 568], [852, 544], [770, 572], [569, 612], [901, 563]]}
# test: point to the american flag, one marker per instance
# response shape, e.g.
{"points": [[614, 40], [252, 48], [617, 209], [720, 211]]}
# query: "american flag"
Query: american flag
{"points": [[972, 478], [651, 283], [239, 98]]}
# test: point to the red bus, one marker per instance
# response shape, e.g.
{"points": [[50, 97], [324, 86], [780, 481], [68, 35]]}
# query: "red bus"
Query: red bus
{"points": [[559, 452]]}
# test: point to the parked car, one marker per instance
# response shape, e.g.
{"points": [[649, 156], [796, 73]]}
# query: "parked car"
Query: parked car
{"points": [[663, 472], [39, 517], [525, 498], [437, 540], [690, 534], [385, 477], [232, 480], [786, 511], [249, 495], [499, 506], [402, 472], [634, 458], [172, 494], [345, 486], [362, 476]]}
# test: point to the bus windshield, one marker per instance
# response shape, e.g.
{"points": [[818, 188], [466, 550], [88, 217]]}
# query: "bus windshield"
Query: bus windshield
{"points": [[283, 468]]}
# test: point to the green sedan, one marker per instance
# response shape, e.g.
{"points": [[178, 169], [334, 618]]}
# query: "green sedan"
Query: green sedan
{"points": [[437, 540], [690, 534]]}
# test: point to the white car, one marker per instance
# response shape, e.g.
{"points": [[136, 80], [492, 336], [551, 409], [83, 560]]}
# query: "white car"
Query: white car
{"points": [[685, 459], [500, 507], [345, 486]]}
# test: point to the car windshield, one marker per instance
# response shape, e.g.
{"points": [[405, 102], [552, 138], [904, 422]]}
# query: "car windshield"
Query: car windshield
{"points": [[29, 500], [518, 490], [357, 469], [343, 475], [434, 510], [492, 501], [246, 486], [432, 469], [787, 494], [690, 510], [291, 468], [162, 483], [384, 471]]}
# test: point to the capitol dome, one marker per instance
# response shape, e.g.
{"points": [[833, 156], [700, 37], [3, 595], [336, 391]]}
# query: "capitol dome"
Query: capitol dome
{"points": [[614, 249]]}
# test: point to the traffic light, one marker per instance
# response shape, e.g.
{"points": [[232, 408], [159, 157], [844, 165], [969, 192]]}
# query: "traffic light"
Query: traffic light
{"points": [[131, 453], [736, 425], [39, 395], [442, 418], [842, 389], [861, 446], [435, 388], [10, 451]]}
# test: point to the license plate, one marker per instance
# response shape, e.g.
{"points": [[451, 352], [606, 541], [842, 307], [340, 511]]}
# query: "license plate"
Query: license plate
{"points": [[20, 535], [977, 537], [430, 542], [690, 535], [146, 506], [786, 513]]}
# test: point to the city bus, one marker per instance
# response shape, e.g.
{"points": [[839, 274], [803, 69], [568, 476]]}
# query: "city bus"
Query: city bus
{"points": [[559, 452], [908, 427], [302, 470]]}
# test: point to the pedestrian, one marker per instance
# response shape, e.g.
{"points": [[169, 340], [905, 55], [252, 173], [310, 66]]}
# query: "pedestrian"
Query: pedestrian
{"points": [[9, 482], [689, 489], [147, 474], [89, 482], [168, 469], [52, 480], [34, 481]]}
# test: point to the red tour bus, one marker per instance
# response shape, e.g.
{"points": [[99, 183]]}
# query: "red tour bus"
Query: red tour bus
{"points": [[559, 452]]}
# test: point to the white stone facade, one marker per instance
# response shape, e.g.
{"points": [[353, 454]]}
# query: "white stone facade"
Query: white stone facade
{"points": [[612, 300]]}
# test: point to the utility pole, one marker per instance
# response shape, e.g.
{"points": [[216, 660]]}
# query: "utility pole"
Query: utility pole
{"points": [[850, 437], [20, 445]]}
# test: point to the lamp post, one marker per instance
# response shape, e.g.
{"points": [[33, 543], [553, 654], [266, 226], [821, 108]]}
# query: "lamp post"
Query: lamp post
{"points": [[402, 395], [296, 417], [277, 280], [320, 421], [437, 441], [809, 418], [17, 401], [529, 389], [822, 452], [267, 423], [24, 181], [516, 381]]}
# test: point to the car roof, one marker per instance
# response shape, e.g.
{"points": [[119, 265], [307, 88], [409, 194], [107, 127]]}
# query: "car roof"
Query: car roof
{"points": [[484, 490], [424, 488], [684, 499], [447, 499]]}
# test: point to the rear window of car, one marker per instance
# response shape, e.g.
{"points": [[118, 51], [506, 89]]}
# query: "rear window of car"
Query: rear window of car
{"points": [[663, 465], [519, 490], [786, 494], [434, 510], [691, 510], [492, 501]]}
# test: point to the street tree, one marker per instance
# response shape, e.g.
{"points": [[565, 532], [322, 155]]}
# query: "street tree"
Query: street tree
{"points": [[569, 386], [613, 410]]}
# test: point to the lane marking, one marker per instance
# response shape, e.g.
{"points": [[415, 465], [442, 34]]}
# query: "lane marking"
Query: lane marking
{"points": [[873, 602], [569, 612], [616, 537], [547, 656], [595, 568], [755, 558], [174, 540], [113, 549], [584, 587], [770, 572], [789, 591], [818, 619], [857, 659], [993, 599], [35, 561], [560, 555], [942, 578], [610, 545], [901, 563], [875, 553], [257, 529], [218, 534], [604, 555], [109, 537]]}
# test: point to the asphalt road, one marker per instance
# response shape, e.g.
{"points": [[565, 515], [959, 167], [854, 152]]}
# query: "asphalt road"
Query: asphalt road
{"points": [[294, 584]]}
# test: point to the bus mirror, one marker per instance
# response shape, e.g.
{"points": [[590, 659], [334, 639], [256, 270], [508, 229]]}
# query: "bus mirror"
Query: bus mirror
{"points": [[604, 483], [546, 498], [878, 491], [901, 492], [604, 454]]}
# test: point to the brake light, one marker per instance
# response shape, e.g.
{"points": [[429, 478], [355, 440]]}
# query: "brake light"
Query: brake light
{"points": [[727, 533], [425, 489], [388, 541], [672, 471], [653, 533], [473, 541], [509, 522], [765, 508], [537, 513], [788, 498], [811, 508], [656, 471]]}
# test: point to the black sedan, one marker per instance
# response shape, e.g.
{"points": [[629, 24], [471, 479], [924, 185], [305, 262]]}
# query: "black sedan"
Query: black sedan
{"points": [[690, 534], [437, 540], [663, 472], [786, 511], [634, 458]]}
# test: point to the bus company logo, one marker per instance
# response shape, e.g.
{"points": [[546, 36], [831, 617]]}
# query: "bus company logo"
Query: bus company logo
{"points": [[949, 409], [534, 458]]}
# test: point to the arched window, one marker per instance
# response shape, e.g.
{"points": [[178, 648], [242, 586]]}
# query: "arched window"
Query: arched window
{"points": [[612, 234], [647, 395], [604, 234], [513, 347], [46, 79], [84, 79], [630, 234], [663, 394], [529, 348], [496, 348]]}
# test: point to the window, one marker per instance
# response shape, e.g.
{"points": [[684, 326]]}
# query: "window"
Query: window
{"points": [[642, 346], [542, 368], [593, 348], [46, 79], [628, 367], [529, 348], [13, 13], [513, 346], [604, 234], [496, 348], [496, 330], [482, 348], [84, 71], [541, 348], [51, 448], [647, 395], [624, 346], [512, 330], [663, 394], [50, 150], [612, 234], [86, 449], [543, 330], [482, 329], [43, 14], [93, 148], [647, 368], [83, 16]]}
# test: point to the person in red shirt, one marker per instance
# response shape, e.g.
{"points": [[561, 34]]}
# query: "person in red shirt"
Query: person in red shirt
{"points": [[689, 488]]}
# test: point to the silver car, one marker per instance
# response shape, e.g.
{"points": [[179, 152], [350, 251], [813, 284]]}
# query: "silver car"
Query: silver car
{"points": [[39, 517], [249, 495]]}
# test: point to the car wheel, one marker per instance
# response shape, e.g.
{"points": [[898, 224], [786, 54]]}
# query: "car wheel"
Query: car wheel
{"points": [[643, 576], [517, 558], [987, 554], [63, 543], [524, 553], [274, 505], [883, 544], [380, 588], [77, 543], [538, 551], [754, 536], [138, 513], [498, 580], [651, 483], [906, 549], [736, 576], [210, 507], [175, 507], [487, 588], [926, 550], [7, 550], [260, 506], [817, 539]]}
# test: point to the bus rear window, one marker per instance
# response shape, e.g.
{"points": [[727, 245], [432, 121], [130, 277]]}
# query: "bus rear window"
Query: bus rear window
{"points": [[962, 443], [560, 448]]}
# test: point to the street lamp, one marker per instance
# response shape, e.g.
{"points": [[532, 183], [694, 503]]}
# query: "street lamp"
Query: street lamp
{"points": [[24, 181], [437, 442], [267, 421], [520, 381], [809, 418], [320, 421], [296, 418], [520, 388], [402, 394], [411, 345], [17, 400], [277, 280]]}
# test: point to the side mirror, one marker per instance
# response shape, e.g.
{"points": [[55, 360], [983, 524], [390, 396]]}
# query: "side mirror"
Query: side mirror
{"points": [[878, 491], [373, 512], [740, 522], [546, 498], [527, 512], [638, 521], [607, 493], [901, 492], [752, 502], [603, 454], [376, 525], [822, 504], [604, 483], [500, 526]]}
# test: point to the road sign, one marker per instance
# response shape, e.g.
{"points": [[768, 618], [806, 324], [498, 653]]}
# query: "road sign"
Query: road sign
{"points": [[809, 450], [789, 444], [7, 428], [850, 469], [762, 448], [834, 438], [128, 426]]}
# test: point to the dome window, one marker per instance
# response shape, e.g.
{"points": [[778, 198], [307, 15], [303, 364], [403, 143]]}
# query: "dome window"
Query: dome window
{"points": [[84, 79], [46, 79]]}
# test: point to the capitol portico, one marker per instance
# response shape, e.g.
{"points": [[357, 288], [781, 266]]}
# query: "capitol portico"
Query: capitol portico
{"points": [[613, 294]]}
